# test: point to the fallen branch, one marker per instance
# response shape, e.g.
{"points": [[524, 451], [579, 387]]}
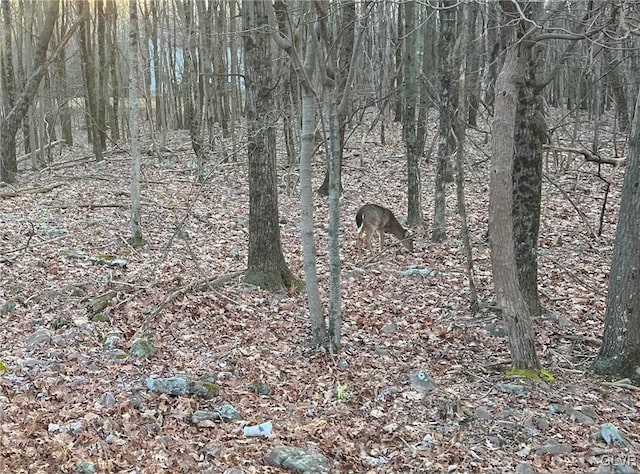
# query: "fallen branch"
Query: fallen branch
{"points": [[587, 155], [205, 284], [46, 189], [624, 383], [46, 147], [90, 206]]}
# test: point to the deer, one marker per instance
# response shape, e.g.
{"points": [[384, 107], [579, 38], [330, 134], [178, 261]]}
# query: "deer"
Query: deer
{"points": [[372, 218]]}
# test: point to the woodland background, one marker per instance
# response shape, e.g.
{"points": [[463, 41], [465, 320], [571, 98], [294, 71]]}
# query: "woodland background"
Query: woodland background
{"points": [[126, 145]]}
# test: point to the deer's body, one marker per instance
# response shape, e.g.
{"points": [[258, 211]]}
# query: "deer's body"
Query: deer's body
{"points": [[372, 218]]}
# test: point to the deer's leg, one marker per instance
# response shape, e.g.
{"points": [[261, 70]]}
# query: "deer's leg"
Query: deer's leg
{"points": [[381, 232]]}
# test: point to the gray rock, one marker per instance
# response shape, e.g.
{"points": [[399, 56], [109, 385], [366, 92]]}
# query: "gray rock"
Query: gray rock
{"points": [[40, 336], [260, 387], [297, 460], [524, 468], [513, 388], [142, 347], [553, 449], [389, 328]]}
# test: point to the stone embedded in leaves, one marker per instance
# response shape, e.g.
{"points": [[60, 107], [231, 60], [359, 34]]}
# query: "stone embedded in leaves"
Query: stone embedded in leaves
{"points": [[297, 460], [610, 434], [41, 336], [513, 388], [225, 413], [108, 400], [142, 347], [6, 307], [85, 467], [184, 386]]}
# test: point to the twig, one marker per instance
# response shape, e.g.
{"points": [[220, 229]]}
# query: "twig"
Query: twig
{"points": [[624, 383], [197, 286], [587, 155], [582, 215], [90, 206]]}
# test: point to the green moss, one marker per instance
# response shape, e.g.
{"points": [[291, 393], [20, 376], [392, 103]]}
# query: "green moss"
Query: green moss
{"points": [[273, 280], [543, 375]]}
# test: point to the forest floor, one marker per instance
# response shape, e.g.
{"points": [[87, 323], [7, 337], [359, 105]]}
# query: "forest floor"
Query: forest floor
{"points": [[69, 403]]}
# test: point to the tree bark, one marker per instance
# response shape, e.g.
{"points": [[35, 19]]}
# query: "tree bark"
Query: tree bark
{"points": [[620, 351], [266, 265], [530, 134], [409, 125], [305, 72], [90, 87], [438, 228], [307, 150], [136, 239], [514, 308]]}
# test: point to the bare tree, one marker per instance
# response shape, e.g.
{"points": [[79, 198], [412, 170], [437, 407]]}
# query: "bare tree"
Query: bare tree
{"points": [[305, 73], [266, 267], [515, 311], [620, 351], [410, 96], [447, 23], [90, 83], [18, 104], [134, 126]]}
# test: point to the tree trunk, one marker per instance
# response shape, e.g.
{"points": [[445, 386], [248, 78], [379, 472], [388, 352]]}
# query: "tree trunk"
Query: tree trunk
{"points": [[459, 128], [266, 266], [620, 351], [342, 63], [438, 230], [305, 73], [9, 122], [136, 239], [530, 135], [409, 125], [307, 150], [514, 308], [90, 88], [335, 299]]}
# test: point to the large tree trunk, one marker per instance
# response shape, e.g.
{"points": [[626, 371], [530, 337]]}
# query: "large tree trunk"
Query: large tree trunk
{"points": [[266, 266], [11, 119], [620, 351], [530, 134], [409, 125], [514, 308]]}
